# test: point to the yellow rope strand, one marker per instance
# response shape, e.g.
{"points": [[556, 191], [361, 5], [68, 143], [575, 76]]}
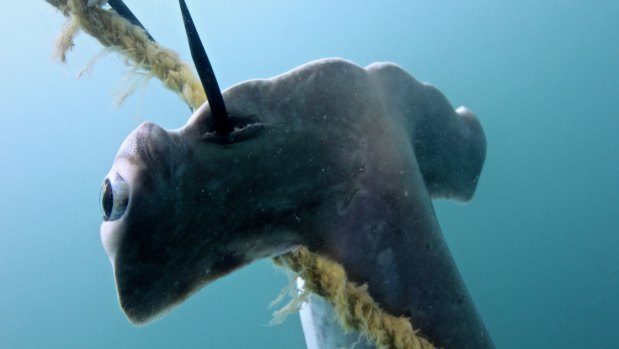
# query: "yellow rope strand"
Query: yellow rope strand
{"points": [[355, 307], [132, 43]]}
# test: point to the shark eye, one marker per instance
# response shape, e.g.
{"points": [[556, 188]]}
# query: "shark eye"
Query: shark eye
{"points": [[114, 198]]}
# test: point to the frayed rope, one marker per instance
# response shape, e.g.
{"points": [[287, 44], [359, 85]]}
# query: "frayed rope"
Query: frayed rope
{"points": [[130, 41], [355, 308]]}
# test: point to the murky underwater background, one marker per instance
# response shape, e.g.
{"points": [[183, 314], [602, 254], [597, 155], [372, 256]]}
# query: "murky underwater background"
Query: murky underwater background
{"points": [[537, 246]]}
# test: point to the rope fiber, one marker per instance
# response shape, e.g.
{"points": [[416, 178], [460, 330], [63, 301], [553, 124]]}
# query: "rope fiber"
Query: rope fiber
{"points": [[131, 42]]}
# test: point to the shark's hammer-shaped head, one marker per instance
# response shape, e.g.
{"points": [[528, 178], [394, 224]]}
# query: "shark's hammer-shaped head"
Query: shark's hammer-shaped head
{"points": [[183, 208], [301, 158]]}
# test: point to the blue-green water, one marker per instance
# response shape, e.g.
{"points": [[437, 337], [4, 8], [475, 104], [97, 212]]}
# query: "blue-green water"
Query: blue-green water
{"points": [[537, 246]]}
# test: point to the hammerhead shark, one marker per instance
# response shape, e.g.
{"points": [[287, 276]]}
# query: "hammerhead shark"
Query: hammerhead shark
{"points": [[342, 159]]}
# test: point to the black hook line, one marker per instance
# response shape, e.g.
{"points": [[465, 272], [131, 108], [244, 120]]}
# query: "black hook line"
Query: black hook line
{"points": [[124, 11], [221, 122]]}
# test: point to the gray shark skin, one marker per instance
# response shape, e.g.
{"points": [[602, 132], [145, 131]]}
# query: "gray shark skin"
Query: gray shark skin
{"points": [[342, 159]]}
